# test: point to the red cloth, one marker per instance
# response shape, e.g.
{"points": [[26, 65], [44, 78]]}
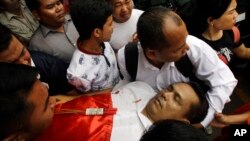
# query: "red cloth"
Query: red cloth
{"points": [[81, 127]]}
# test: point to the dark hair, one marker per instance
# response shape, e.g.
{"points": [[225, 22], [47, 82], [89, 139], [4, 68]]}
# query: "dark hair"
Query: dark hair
{"points": [[5, 37], [88, 15], [173, 130], [198, 112], [16, 82], [150, 27], [33, 4], [197, 23]]}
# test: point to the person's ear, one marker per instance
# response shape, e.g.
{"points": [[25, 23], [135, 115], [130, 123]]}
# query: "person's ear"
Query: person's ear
{"points": [[151, 54], [36, 15], [97, 32], [210, 21]]}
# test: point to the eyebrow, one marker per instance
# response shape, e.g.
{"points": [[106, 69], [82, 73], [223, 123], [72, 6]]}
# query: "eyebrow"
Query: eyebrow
{"points": [[176, 95], [46, 103]]}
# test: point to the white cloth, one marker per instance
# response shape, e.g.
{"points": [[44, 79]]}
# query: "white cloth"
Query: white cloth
{"points": [[129, 123], [207, 65], [122, 32], [91, 72]]}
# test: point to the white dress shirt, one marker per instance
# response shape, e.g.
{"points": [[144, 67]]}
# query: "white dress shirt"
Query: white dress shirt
{"points": [[208, 68]]}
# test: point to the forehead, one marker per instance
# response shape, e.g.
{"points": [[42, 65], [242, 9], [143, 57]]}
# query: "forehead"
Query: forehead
{"points": [[186, 92], [47, 2], [175, 33], [13, 51]]}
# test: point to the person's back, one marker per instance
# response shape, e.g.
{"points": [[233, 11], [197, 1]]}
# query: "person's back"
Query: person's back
{"points": [[26, 109], [56, 34], [17, 17]]}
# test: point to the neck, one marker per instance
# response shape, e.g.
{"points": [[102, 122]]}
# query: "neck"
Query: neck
{"points": [[154, 62], [212, 34], [58, 28], [89, 46]]}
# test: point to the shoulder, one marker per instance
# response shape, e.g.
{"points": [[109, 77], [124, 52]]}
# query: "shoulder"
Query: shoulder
{"points": [[137, 12]]}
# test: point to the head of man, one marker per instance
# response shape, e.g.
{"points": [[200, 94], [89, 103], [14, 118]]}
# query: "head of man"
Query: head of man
{"points": [[181, 101], [92, 18], [12, 50], [122, 10], [173, 130], [50, 13], [12, 6], [26, 109], [162, 34]]}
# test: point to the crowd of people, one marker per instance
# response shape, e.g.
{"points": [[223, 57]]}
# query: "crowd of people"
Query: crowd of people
{"points": [[65, 72]]}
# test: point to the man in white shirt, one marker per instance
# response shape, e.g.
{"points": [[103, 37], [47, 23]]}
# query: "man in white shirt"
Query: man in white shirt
{"points": [[163, 41], [124, 21], [137, 107]]}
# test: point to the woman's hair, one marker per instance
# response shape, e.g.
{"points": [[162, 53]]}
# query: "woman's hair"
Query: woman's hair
{"points": [[197, 23]]}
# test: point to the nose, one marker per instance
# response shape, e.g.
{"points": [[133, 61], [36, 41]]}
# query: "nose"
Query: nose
{"points": [[165, 96], [124, 8]]}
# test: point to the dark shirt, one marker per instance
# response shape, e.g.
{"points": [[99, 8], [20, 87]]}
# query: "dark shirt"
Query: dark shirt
{"points": [[52, 71]]}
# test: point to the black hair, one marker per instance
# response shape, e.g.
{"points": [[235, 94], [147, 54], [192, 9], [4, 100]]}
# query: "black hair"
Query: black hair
{"points": [[88, 15], [197, 23], [16, 83], [198, 112], [173, 130], [33, 4], [150, 27], [5, 37]]}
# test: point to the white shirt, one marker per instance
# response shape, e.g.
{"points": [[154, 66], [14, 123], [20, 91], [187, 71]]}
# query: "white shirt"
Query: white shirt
{"points": [[208, 67], [129, 123], [122, 32], [91, 72]]}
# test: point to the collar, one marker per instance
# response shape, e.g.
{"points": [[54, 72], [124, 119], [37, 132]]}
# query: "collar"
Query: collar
{"points": [[89, 52], [45, 30]]}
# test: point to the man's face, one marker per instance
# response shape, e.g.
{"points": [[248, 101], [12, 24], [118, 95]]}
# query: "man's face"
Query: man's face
{"points": [[176, 36], [107, 29], [172, 103], [122, 10], [51, 13], [16, 53], [43, 111]]}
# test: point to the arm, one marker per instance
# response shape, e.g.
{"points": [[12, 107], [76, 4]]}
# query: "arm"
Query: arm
{"points": [[215, 73], [232, 119], [242, 51]]}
